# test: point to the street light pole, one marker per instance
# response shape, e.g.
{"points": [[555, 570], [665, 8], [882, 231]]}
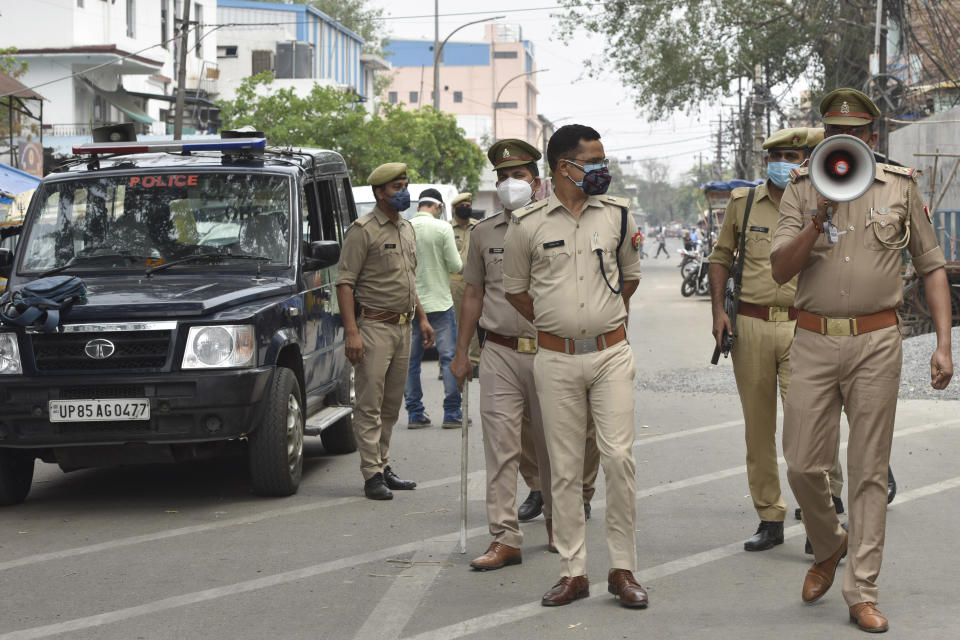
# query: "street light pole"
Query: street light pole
{"points": [[504, 86], [436, 55], [438, 52]]}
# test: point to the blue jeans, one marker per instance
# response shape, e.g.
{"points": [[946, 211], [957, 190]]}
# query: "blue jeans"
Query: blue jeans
{"points": [[444, 325]]}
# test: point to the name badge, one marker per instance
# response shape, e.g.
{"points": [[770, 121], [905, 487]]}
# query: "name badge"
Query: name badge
{"points": [[496, 249], [390, 246], [760, 229], [553, 245]]}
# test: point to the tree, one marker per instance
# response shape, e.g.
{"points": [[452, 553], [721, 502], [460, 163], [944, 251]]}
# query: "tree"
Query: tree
{"points": [[428, 141], [678, 54], [355, 15]]}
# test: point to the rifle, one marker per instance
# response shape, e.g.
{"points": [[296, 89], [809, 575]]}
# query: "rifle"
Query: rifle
{"points": [[731, 291]]}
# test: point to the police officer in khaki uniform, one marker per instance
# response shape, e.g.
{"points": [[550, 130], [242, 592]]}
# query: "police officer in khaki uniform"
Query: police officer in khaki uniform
{"points": [[847, 350], [765, 325], [508, 395], [377, 292], [573, 251], [463, 224]]}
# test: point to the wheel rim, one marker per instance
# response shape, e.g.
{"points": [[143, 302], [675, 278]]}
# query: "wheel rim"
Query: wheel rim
{"points": [[294, 432]]}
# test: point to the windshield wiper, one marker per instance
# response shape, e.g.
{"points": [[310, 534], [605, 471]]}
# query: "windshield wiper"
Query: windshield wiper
{"points": [[92, 257], [212, 257]]}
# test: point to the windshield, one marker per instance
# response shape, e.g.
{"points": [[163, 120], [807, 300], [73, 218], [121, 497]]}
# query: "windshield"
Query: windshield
{"points": [[138, 221]]}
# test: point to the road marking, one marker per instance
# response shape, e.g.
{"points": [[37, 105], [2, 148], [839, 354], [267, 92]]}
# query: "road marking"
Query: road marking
{"points": [[457, 630], [530, 609], [476, 478]]}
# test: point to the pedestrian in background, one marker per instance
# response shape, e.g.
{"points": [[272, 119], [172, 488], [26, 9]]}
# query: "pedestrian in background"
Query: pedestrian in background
{"points": [[662, 243], [437, 258], [377, 295]]}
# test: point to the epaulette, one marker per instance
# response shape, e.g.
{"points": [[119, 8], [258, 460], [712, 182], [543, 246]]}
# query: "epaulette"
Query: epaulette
{"points": [[739, 192], [798, 173], [908, 172], [362, 220], [530, 208], [485, 220], [614, 200]]}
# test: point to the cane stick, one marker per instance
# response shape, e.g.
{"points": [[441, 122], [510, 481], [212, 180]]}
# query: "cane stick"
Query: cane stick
{"points": [[463, 467]]}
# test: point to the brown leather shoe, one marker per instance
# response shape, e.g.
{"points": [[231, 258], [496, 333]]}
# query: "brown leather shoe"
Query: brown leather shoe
{"points": [[867, 617], [566, 591], [820, 575], [550, 546], [498, 555], [622, 584]]}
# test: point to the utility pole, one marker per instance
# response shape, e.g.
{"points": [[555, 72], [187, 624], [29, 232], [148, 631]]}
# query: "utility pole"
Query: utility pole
{"points": [[182, 71], [436, 54], [757, 122], [880, 50], [718, 171]]}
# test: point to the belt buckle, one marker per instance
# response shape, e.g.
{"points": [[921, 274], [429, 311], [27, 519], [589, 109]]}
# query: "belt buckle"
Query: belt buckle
{"points": [[584, 345], [778, 314], [526, 345], [838, 327], [403, 318]]}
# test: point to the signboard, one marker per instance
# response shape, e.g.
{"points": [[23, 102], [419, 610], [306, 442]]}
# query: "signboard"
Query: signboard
{"points": [[31, 158]]}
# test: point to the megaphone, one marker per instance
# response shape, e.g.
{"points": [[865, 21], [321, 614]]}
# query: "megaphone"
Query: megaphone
{"points": [[842, 168]]}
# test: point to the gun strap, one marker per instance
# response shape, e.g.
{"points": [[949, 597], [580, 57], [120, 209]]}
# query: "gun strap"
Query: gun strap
{"points": [[738, 274]]}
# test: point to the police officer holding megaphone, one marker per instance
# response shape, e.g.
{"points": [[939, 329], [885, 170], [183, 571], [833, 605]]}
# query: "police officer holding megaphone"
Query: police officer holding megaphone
{"points": [[844, 220]]}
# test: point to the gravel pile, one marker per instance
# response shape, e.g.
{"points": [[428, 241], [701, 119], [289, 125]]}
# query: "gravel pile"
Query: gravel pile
{"points": [[914, 377]]}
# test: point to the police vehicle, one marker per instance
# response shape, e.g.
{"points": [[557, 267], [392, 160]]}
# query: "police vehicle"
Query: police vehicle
{"points": [[210, 313]]}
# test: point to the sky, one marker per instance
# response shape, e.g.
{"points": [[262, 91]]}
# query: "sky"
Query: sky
{"points": [[567, 95]]}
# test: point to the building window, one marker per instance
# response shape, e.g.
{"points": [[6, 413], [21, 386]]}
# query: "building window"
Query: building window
{"points": [[414, 97], [164, 24], [227, 51], [392, 97], [262, 61], [131, 19], [505, 105], [458, 96], [504, 54], [198, 50]]}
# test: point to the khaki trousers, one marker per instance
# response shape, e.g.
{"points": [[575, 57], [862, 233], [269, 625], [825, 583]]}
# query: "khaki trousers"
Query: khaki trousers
{"points": [[457, 289], [379, 380], [861, 374], [508, 397], [572, 387], [529, 455]]}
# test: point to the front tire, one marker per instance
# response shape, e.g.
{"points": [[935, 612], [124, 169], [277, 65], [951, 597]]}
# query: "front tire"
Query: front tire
{"points": [[689, 286], [339, 437], [275, 448], [16, 476]]}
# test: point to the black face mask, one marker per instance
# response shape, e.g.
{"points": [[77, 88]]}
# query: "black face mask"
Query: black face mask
{"points": [[463, 211]]}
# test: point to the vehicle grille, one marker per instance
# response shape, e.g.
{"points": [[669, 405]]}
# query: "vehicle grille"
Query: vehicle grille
{"points": [[102, 392], [134, 350]]}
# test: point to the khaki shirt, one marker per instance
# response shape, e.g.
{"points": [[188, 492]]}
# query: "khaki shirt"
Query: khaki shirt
{"points": [[485, 269], [758, 285], [551, 252], [858, 276], [379, 260], [461, 235]]}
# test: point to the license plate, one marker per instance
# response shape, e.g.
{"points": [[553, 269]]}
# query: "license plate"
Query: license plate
{"points": [[99, 410]]}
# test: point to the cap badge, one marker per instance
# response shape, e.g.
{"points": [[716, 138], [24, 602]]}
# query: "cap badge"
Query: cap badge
{"points": [[844, 108], [795, 140], [506, 153]]}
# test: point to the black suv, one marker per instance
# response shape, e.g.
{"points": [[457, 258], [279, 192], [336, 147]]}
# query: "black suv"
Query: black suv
{"points": [[210, 316]]}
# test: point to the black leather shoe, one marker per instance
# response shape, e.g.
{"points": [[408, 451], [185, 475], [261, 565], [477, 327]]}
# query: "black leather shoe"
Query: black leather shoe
{"points": [[798, 514], [531, 507], [375, 489], [586, 510], [768, 535], [891, 486], [394, 482], [837, 506]]}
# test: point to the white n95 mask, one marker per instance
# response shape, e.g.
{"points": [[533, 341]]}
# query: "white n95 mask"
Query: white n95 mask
{"points": [[514, 193]]}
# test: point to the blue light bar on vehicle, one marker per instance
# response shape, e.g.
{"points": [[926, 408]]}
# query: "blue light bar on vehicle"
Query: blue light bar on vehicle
{"points": [[176, 146]]}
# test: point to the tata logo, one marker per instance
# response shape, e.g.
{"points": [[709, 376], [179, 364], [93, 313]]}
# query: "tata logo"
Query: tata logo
{"points": [[99, 349]]}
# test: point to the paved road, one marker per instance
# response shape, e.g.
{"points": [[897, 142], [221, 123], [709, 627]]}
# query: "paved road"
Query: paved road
{"points": [[187, 552]]}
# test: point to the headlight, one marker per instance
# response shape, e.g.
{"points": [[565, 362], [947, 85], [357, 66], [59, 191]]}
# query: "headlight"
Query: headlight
{"points": [[220, 347], [9, 354]]}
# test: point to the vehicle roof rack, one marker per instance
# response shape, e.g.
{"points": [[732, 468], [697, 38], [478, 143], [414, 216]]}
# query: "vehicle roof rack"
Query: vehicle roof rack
{"points": [[176, 146]]}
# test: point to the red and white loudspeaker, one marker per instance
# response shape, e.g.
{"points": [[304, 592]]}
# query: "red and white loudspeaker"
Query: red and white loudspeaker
{"points": [[842, 168]]}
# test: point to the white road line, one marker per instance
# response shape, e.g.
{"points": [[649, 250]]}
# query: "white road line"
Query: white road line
{"points": [[530, 609], [641, 442], [462, 628], [475, 477]]}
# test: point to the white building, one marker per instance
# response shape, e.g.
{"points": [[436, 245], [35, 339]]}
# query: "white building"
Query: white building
{"points": [[110, 61]]}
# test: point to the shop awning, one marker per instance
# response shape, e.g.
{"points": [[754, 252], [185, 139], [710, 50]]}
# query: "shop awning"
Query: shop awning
{"points": [[121, 100]]}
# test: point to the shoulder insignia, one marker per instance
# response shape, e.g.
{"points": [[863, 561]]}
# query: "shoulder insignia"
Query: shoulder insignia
{"points": [[362, 220], [907, 172], [530, 208], [739, 192], [798, 174], [615, 200]]}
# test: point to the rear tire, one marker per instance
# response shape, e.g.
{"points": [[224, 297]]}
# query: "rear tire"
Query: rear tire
{"points": [[339, 437], [16, 475], [275, 448], [689, 286]]}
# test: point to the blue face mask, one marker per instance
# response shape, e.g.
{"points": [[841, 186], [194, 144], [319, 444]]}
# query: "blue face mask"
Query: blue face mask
{"points": [[779, 173], [596, 178], [400, 201]]}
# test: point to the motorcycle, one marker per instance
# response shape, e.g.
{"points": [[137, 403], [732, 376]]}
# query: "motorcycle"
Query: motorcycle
{"points": [[697, 280]]}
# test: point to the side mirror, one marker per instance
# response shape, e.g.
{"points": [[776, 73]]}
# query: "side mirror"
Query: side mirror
{"points": [[6, 262], [322, 254]]}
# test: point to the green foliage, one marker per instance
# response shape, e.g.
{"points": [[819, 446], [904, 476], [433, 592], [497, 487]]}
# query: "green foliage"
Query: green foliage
{"points": [[429, 141], [9, 63], [678, 54]]}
